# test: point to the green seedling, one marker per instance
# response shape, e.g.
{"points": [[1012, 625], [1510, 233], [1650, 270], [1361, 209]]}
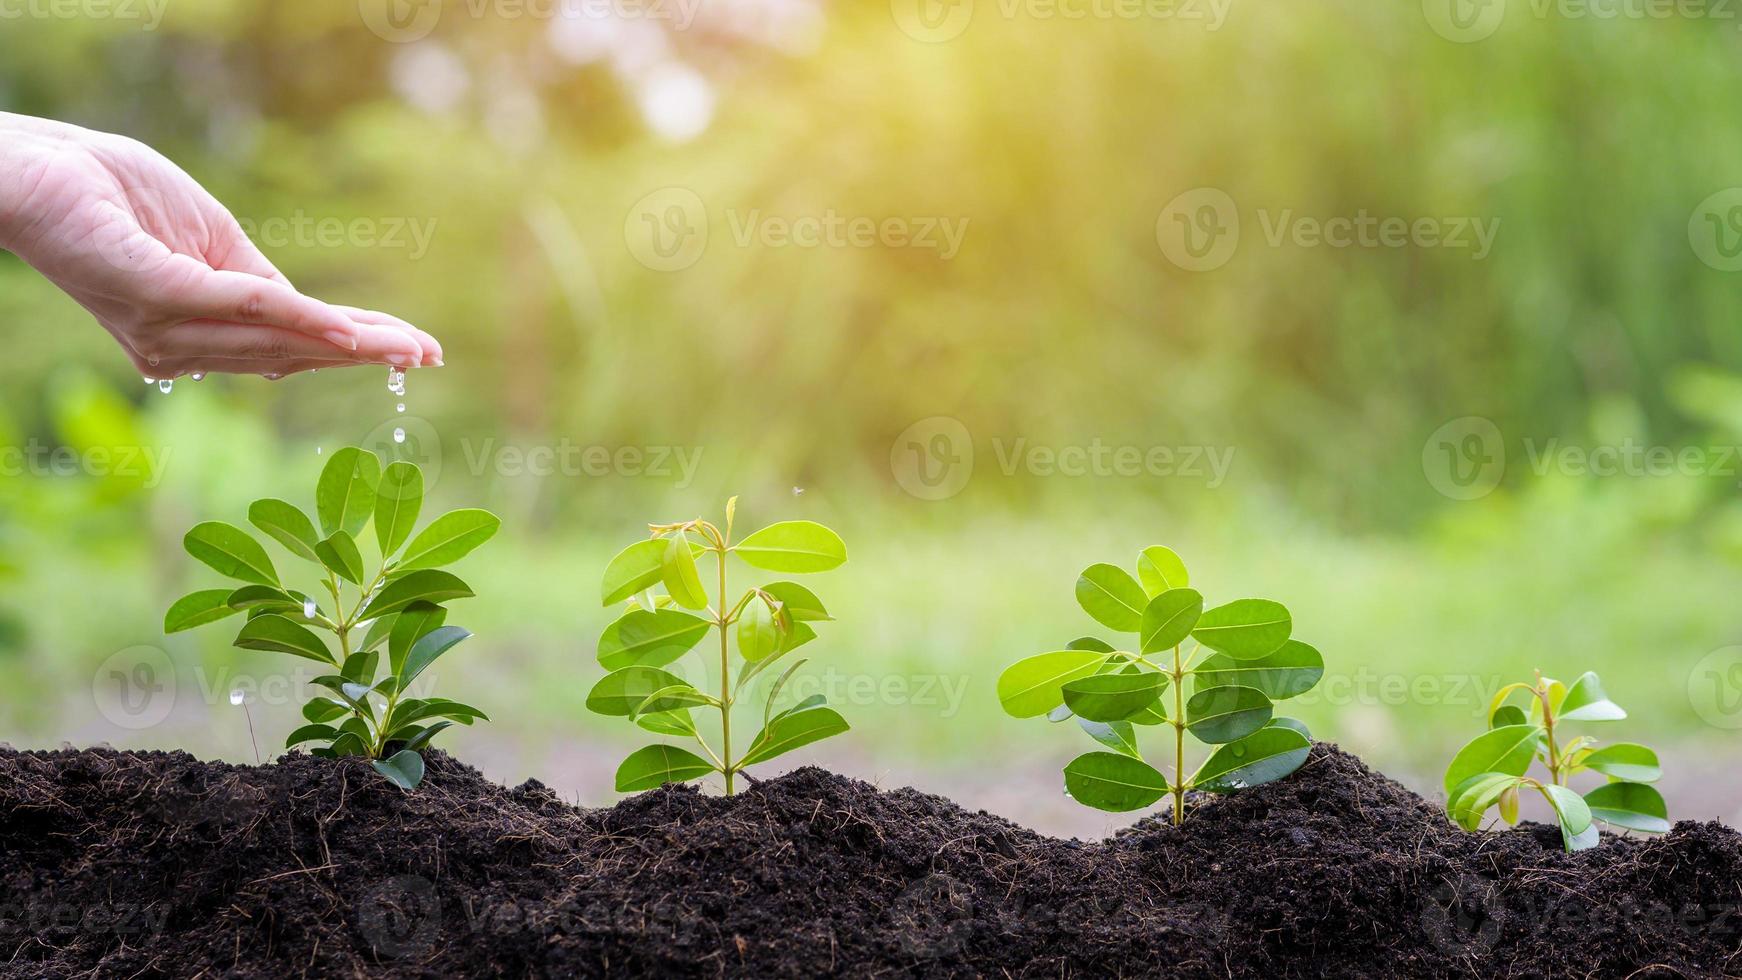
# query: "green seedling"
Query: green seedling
{"points": [[766, 624], [399, 608], [1490, 772], [1241, 661]]}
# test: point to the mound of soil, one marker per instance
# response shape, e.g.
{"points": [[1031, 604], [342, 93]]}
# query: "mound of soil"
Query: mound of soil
{"points": [[121, 864]]}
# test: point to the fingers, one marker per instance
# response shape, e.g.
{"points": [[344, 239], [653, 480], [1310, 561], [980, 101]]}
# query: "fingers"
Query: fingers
{"points": [[237, 297], [432, 350], [271, 369], [207, 338]]}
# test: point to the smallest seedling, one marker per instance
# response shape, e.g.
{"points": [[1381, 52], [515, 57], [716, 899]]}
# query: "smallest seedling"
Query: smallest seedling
{"points": [[1491, 771]]}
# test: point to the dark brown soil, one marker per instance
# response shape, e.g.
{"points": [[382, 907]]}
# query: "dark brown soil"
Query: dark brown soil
{"points": [[120, 864]]}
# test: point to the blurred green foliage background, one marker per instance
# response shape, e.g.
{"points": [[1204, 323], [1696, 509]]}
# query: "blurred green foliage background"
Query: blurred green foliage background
{"points": [[523, 142]]}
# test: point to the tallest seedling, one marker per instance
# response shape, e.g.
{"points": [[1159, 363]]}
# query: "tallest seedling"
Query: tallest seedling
{"points": [[1240, 660], [767, 622]]}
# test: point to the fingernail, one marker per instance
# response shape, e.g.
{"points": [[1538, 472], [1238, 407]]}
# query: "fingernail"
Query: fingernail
{"points": [[436, 363], [403, 360], [340, 338]]}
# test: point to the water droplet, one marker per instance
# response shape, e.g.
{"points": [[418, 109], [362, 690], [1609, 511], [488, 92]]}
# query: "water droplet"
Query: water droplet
{"points": [[273, 377], [150, 381], [198, 375], [236, 696], [396, 381], [165, 385], [319, 450], [309, 609], [398, 435], [401, 408]]}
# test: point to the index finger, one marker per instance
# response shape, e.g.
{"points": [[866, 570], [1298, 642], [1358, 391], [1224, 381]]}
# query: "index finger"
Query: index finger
{"points": [[242, 298]]}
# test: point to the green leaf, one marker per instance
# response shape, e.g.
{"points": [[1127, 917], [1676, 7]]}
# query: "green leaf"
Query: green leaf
{"points": [[674, 698], [425, 585], [379, 630], [636, 567], [266, 596], [421, 738], [793, 546], [1035, 685], [656, 765], [404, 770], [622, 691], [1090, 643], [345, 493], [652, 639], [678, 570], [668, 723], [409, 626], [1245, 629], [397, 500], [798, 602], [1112, 596], [425, 651], [449, 538], [1116, 735], [339, 553], [287, 524], [1289, 672], [1508, 714], [1264, 756], [198, 609], [230, 551], [1113, 782], [348, 744], [1227, 714], [1585, 701], [1472, 798], [1168, 619], [275, 633], [758, 636], [360, 666], [1293, 725], [1507, 749], [1634, 806], [1575, 816], [322, 710], [1626, 761], [1113, 697], [311, 733], [791, 729], [1160, 569]]}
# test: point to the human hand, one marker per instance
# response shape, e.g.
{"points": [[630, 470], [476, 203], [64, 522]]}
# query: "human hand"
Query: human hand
{"points": [[166, 269]]}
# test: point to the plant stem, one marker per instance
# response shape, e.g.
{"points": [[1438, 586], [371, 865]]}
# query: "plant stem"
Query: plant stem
{"points": [[1179, 740], [725, 679], [1554, 764]]}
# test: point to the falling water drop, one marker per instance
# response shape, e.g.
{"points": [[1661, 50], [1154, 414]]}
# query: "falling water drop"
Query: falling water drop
{"points": [[319, 450], [401, 408], [309, 609], [236, 696], [398, 435], [796, 491], [165, 385], [198, 375], [396, 381], [150, 381]]}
